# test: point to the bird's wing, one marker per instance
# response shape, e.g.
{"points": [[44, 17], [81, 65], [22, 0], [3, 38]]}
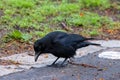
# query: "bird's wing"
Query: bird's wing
{"points": [[62, 41]]}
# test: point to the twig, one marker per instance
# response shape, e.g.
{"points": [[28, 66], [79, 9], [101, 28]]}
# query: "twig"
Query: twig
{"points": [[84, 65], [64, 26]]}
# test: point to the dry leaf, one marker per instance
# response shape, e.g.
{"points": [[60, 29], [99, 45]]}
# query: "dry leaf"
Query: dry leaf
{"points": [[46, 56], [81, 14]]}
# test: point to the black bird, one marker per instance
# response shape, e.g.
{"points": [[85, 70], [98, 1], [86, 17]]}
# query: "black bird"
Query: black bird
{"points": [[61, 45]]}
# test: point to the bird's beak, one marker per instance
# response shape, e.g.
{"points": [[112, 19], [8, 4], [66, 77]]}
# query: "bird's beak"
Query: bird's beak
{"points": [[36, 56]]}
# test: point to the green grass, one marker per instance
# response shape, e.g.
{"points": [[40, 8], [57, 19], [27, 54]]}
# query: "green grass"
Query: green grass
{"points": [[35, 18], [18, 35], [85, 19], [95, 3]]}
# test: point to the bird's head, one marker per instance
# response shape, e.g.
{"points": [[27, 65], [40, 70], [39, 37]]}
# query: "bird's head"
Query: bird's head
{"points": [[38, 48]]}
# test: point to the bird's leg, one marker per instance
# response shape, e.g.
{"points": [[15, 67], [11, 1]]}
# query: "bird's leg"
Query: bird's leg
{"points": [[64, 61], [55, 61]]}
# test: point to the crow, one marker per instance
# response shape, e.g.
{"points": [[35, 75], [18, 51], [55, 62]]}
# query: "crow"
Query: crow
{"points": [[61, 45]]}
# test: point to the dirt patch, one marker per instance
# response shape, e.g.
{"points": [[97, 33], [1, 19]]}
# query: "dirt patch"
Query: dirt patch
{"points": [[1, 13], [111, 34], [113, 13], [2, 32], [15, 47]]}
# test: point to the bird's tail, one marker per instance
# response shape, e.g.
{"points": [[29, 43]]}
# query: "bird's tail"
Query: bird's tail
{"points": [[84, 44], [94, 44], [91, 39]]}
